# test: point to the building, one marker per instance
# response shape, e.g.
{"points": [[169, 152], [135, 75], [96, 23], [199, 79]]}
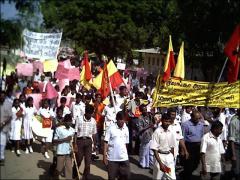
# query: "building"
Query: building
{"points": [[152, 60]]}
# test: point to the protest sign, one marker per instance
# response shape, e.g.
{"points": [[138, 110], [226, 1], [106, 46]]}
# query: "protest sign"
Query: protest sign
{"points": [[66, 63], [24, 69], [176, 92], [61, 72], [41, 45], [50, 65], [62, 83], [74, 74], [121, 66], [36, 99], [37, 65]]}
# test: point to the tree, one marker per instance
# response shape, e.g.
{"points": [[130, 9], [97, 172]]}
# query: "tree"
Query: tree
{"points": [[10, 34]]}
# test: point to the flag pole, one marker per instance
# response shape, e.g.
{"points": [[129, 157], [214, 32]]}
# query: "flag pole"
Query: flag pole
{"points": [[112, 95], [224, 65]]}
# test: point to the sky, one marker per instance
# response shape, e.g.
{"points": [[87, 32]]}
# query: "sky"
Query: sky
{"points": [[8, 11]]}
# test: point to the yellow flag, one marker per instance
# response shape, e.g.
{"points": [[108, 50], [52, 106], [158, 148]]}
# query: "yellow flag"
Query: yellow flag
{"points": [[179, 71], [97, 81]]}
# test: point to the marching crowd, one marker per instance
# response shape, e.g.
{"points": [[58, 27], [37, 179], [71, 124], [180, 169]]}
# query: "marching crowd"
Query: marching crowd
{"points": [[118, 126]]}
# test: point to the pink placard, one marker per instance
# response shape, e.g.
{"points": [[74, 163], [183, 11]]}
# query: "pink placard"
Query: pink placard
{"points": [[66, 63], [61, 73], [24, 69], [51, 91], [74, 74], [36, 99], [62, 83], [37, 65]]}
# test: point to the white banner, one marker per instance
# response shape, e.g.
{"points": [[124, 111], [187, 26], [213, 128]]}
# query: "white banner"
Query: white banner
{"points": [[41, 45]]}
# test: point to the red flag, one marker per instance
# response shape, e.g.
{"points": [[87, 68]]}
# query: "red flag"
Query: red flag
{"points": [[232, 52], [169, 62], [105, 88], [88, 74]]}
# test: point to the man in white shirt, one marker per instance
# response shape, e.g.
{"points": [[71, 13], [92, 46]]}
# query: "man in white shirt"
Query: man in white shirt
{"points": [[163, 143], [62, 137], [218, 115], [212, 152], [109, 113], [77, 108], [121, 97], [175, 127], [115, 155], [186, 114], [37, 76]]}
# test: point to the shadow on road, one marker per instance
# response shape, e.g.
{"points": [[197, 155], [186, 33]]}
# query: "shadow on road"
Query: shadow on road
{"points": [[133, 160], [46, 166], [139, 176]]}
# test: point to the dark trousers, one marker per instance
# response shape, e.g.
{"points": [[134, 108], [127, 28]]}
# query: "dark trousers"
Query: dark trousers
{"points": [[133, 136], [192, 162], [85, 150], [118, 169]]}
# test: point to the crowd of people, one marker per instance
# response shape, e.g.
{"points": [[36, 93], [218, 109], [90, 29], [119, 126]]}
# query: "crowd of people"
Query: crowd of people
{"points": [[121, 125]]}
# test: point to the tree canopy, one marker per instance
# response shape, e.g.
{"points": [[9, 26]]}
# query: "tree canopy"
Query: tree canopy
{"points": [[116, 27]]}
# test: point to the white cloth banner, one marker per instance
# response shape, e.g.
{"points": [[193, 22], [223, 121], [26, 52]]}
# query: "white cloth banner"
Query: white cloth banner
{"points": [[41, 45]]}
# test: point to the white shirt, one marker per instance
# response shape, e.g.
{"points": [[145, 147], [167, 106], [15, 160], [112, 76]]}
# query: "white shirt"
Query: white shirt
{"points": [[66, 110], [222, 119], [77, 110], [47, 113], [120, 100], [185, 116], [163, 140], [110, 115], [61, 133], [213, 148], [117, 139], [177, 130], [37, 77]]}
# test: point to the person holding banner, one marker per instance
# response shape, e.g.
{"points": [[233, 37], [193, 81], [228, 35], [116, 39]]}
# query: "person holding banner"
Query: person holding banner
{"points": [[46, 114], [62, 137]]}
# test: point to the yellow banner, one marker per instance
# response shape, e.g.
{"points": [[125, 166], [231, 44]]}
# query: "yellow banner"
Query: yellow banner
{"points": [[50, 65], [196, 93]]}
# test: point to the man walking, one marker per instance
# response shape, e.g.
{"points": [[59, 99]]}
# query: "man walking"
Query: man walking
{"points": [[115, 155], [193, 131], [163, 143], [86, 136]]}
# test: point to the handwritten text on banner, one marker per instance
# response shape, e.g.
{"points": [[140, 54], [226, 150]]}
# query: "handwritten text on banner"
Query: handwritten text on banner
{"points": [[176, 92], [41, 45]]}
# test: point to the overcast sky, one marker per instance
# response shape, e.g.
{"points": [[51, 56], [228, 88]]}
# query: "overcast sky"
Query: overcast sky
{"points": [[8, 11]]}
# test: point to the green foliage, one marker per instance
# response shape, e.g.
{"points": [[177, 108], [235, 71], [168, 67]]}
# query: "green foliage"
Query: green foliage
{"points": [[10, 34]]}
